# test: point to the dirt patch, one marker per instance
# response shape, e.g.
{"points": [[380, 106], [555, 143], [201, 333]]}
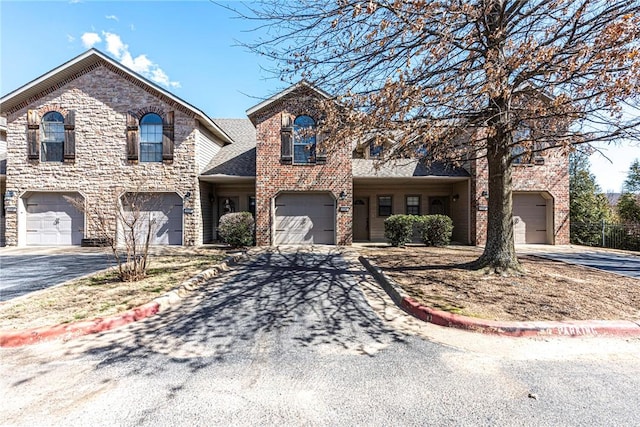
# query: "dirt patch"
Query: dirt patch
{"points": [[550, 290], [102, 294]]}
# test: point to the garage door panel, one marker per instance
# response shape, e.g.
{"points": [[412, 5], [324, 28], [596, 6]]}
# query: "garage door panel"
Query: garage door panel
{"points": [[52, 220], [530, 218], [163, 213], [287, 222], [305, 219]]}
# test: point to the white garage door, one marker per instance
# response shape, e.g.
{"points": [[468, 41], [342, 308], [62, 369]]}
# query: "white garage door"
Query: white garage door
{"points": [[160, 211], [52, 220], [530, 218], [305, 218]]}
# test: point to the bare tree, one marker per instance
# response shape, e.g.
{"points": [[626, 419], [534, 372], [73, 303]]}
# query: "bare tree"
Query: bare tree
{"points": [[460, 80], [126, 229]]}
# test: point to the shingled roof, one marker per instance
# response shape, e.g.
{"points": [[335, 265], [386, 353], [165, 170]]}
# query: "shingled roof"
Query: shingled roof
{"points": [[239, 158], [366, 168]]}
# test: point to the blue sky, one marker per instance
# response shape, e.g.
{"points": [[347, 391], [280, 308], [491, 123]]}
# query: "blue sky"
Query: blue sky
{"points": [[188, 47]]}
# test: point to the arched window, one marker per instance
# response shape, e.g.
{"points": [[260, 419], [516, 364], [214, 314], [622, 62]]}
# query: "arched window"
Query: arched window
{"points": [[151, 138], [304, 140], [52, 137]]}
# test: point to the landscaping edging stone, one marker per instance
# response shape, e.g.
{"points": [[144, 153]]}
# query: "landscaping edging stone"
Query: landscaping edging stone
{"points": [[507, 328], [69, 331]]}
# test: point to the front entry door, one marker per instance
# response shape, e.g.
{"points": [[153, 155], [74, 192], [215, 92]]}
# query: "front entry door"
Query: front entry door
{"points": [[361, 218]]}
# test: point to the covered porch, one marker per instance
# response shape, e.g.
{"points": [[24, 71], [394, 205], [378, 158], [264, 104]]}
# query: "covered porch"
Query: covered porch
{"points": [[221, 194], [376, 198]]}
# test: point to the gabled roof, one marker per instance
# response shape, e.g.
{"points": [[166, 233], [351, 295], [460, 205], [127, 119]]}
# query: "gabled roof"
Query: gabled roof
{"points": [[302, 85], [92, 58]]}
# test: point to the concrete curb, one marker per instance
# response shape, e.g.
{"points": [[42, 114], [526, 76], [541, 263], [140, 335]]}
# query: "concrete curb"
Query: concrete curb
{"points": [[72, 330], [514, 329]]}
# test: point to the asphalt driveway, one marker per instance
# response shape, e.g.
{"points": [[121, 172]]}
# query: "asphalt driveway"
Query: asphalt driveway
{"points": [[288, 338], [27, 270], [615, 262]]}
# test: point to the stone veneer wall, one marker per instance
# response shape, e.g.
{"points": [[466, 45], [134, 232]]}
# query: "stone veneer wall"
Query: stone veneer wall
{"points": [[552, 177], [273, 177], [101, 98]]}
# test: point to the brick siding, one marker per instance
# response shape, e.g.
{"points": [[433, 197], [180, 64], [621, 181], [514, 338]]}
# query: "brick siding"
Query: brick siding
{"points": [[552, 178], [273, 177]]}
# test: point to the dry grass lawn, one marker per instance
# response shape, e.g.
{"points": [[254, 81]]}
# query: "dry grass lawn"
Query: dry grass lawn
{"points": [[103, 294], [550, 290], [433, 276]]}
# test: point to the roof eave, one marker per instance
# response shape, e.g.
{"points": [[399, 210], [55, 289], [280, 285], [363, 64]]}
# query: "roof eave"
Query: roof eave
{"points": [[85, 59], [280, 95]]}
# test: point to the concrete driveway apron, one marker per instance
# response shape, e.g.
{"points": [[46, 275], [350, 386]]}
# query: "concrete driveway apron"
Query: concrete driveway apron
{"points": [[27, 270], [614, 262]]}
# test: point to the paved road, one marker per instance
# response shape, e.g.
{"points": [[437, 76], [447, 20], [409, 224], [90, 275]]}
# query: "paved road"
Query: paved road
{"points": [[24, 273], [304, 338], [615, 262]]}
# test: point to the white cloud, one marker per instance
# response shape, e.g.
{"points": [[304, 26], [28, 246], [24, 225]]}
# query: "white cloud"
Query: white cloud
{"points": [[112, 17], [141, 64], [90, 39], [70, 38], [115, 46]]}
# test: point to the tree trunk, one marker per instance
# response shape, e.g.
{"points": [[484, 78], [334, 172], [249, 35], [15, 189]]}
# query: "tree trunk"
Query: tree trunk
{"points": [[499, 254]]}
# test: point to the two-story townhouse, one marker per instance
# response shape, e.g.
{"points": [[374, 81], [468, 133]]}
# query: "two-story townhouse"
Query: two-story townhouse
{"points": [[91, 131], [271, 164], [300, 195]]}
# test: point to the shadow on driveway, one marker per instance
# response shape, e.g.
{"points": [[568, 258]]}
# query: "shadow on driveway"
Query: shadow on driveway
{"points": [[278, 303]]}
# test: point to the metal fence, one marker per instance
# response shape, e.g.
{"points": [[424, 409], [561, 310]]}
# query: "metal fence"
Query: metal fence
{"points": [[607, 235]]}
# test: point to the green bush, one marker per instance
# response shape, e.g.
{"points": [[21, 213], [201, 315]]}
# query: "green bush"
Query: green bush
{"points": [[237, 229], [398, 229], [435, 230]]}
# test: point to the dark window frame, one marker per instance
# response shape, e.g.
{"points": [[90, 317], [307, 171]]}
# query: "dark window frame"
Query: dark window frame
{"points": [[375, 150], [385, 209], [413, 207]]}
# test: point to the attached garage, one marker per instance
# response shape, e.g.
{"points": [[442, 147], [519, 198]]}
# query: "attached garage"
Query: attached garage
{"points": [[52, 220], [162, 212], [305, 218], [530, 218]]}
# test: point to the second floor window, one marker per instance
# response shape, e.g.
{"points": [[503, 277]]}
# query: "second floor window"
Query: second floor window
{"points": [[304, 140], [151, 138], [375, 150], [52, 149]]}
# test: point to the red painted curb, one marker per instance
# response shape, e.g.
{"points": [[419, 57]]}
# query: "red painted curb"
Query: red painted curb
{"points": [[522, 329], [71, 330]]}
